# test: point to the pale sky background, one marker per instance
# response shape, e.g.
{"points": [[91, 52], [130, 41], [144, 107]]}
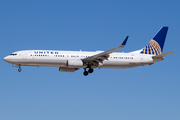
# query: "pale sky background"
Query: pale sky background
{"points": [[142, 93]]}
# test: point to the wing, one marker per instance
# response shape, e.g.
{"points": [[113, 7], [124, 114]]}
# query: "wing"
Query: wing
{"points": [[104, 55]]}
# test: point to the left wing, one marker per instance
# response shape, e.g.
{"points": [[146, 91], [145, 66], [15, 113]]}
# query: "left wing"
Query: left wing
{"points": [[104, 55]]}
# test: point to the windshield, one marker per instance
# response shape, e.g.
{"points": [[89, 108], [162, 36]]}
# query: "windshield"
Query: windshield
{"points": [[13, 54]]}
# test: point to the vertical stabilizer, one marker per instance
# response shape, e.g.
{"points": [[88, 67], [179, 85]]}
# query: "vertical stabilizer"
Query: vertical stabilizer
{"points": [[155, 46]]}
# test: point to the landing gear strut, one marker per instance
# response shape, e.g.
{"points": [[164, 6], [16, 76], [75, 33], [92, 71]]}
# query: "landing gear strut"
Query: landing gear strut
{"points": [[19, 70]]}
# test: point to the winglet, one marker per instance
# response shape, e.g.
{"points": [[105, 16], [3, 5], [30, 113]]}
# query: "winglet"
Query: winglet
{"points": [[125, 40]]}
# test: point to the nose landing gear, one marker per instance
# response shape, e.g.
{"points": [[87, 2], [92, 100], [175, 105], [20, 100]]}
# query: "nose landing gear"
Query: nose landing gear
{"points": [[19, 70]]}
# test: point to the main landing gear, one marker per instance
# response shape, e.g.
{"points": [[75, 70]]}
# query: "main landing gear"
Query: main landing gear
{"points": [[87, 72]]}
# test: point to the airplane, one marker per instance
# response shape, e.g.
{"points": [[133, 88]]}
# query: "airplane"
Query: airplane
{"points": [[70, 61]]}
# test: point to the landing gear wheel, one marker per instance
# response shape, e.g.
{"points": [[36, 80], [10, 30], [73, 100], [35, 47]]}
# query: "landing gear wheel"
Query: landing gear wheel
{"points": [[90, 70], [19, 69], [85, 73]]}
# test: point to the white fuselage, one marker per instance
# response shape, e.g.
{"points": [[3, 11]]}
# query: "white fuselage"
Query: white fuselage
{"points": [[70, 61], [61, 58]]}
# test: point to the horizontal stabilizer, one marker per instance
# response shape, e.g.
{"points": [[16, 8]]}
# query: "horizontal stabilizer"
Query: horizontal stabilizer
{"points": [[163, 55]]}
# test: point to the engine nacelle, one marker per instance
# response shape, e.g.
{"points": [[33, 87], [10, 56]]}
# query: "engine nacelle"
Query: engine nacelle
{"points": [[63, 69], [76, 63]]}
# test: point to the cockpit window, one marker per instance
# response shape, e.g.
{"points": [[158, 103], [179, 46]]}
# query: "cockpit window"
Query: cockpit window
{"points": [[13, 54]]}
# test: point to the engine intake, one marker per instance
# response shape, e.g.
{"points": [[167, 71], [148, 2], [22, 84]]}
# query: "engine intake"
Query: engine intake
{"points": [[75, 63]]}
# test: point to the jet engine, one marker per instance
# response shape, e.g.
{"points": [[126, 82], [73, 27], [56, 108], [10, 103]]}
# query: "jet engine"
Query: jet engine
{"points": [[76, 63], [63, 69]]}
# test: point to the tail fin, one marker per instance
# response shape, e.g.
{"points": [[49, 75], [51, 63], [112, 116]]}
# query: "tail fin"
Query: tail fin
{"points": [[155, 46]]}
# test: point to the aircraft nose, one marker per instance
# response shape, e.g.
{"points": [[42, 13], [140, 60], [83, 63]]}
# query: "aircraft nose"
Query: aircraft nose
{"points": [[7, 58]]}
